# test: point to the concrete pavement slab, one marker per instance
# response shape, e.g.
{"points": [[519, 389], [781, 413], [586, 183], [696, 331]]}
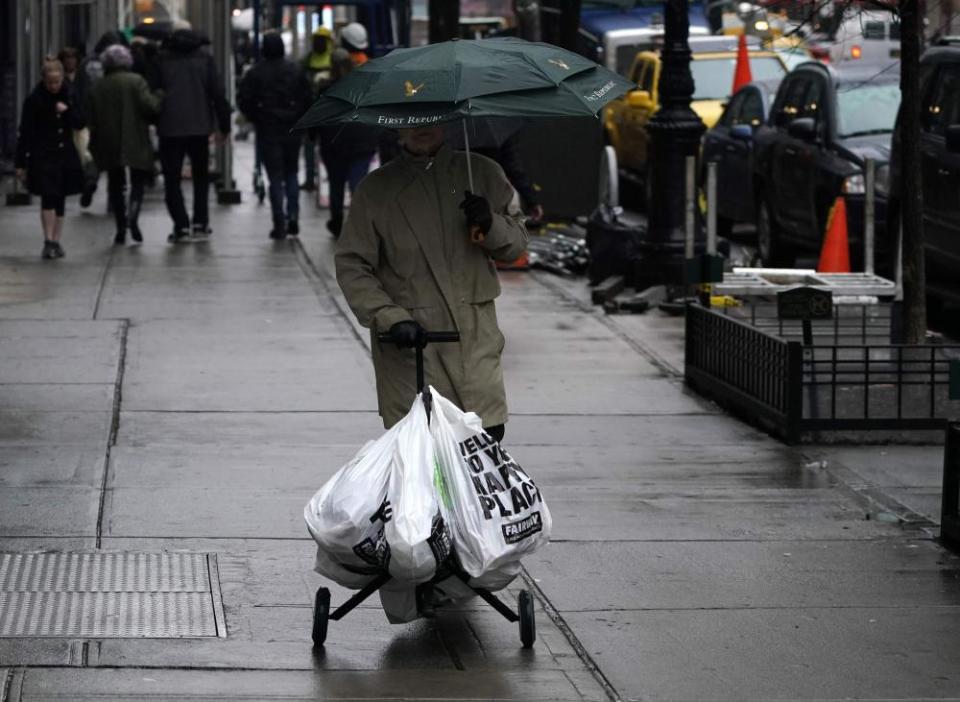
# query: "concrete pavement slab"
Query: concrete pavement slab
{"points": [[246, 467], [670, 575], [70, 397], [44, 685], [306, 429], [862, 653], [620, 512], [184, 366], [629, 431], [39, 465], [34, 427], [49, 510], [59, 352]]}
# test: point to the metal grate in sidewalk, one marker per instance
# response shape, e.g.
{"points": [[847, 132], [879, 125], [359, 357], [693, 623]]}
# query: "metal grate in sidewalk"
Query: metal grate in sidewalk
{"points": [[104, 595]]}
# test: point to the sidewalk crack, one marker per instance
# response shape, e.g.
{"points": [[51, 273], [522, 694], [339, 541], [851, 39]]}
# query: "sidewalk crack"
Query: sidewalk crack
{"points": [[114, 426]]}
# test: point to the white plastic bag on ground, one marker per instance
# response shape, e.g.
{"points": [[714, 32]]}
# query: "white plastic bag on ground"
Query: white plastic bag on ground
{"points": [[496, 513]]}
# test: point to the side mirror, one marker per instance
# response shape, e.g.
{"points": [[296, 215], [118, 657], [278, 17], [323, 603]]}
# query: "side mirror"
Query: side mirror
{"points": [[742, 132], [803, 128], [953, 138], [640, 99]]}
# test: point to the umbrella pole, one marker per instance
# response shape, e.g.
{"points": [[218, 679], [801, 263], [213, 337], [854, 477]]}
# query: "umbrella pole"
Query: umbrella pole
{"points": [[476, 236], [466, 143]]}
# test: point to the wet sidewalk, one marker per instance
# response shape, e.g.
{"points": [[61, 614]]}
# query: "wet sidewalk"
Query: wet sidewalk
{"points": [[184, 403]]}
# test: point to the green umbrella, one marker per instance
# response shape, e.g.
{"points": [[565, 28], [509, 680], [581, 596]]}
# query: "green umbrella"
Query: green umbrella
{"points": [[459, 79]]}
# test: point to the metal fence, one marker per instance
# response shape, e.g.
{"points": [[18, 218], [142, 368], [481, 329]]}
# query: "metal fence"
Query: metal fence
{"points": [[793, 390]]}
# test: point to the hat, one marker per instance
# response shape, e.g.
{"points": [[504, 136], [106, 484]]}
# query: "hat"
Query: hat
{"points": [[354, 36]]}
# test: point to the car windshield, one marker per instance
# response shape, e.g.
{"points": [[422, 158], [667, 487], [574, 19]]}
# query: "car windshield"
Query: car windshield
{"points": [[867, 108], [713, 78]]}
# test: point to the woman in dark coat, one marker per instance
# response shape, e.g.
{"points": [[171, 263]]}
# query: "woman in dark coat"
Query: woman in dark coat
{"points": [[46, 157], [118, 112]]}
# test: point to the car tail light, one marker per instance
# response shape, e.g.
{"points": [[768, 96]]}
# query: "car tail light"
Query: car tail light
{"points": [[821, 53], [855, 52]]}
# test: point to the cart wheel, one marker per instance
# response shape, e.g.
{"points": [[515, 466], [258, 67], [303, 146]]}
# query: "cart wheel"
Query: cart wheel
{"points": [[321, 614], [528, 626]]}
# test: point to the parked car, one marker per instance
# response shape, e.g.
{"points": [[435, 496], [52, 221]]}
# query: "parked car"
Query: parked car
{"points": [[713, 64], [939, 169], [823, 124], [730, 144]]}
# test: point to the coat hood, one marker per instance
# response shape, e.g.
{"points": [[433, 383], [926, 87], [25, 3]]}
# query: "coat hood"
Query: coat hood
{"points": [[272, 46], [185, 40]]}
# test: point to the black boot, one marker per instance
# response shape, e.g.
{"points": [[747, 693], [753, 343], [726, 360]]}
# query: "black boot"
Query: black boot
{"points": [[120, 217], [135, 232]]}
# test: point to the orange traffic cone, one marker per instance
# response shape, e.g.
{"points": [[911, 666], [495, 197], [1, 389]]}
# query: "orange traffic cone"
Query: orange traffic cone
{"points": [[835, 254], [742, 74]]}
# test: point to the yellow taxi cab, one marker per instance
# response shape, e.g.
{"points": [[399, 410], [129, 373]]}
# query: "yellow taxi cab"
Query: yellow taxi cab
{"points": [[713, 65]]}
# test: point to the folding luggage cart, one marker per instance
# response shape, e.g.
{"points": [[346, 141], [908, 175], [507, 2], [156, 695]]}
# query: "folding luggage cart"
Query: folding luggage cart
{"points": [[449, 568]]}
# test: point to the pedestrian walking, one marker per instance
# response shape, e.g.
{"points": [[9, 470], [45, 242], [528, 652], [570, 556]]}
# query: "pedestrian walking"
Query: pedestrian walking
{"points": [[273, 95], [353, 38], [194, 107], [88, 73], [46, 157], [70, 58], [317, 66], [416, 254], [118, 113], [346, 150]]}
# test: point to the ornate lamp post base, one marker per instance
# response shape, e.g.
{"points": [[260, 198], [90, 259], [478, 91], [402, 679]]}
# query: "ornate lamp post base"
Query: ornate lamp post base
{"points": [[675, 132]]}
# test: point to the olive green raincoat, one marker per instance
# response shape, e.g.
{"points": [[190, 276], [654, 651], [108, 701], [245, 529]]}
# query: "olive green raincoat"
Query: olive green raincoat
{"points": [[119, 112], [405, 253]]}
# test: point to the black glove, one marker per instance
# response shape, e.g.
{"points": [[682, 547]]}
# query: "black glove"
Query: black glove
{"points": [[478, 212], [407, 335]]}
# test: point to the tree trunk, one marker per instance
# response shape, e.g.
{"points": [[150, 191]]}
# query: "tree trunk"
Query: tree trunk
{"points": [[444, 18], [911, 196]]}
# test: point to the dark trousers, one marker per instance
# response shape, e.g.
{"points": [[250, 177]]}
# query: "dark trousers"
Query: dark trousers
{"points": [[117, 192], [342, 171], [310, 160], [172, 152], [280, 158]]}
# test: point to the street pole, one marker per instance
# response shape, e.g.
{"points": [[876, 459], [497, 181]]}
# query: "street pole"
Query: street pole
{"points": [[675, 132]]}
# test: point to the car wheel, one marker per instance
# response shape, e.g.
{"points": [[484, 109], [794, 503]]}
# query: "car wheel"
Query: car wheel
{"points": [[773, 252]]}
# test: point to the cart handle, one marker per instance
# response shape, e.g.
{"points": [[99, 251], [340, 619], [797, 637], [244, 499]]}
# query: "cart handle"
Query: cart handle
{"points": [[429, 338]]}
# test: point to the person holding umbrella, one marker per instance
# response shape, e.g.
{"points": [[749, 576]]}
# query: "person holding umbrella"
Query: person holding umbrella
{"points": [[418, 247], [415, 254]]}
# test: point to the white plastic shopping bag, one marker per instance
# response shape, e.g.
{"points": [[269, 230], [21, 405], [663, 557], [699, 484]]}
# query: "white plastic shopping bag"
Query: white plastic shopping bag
{"points": [[379, 512], [495, 512], [417, 534], [346, 517]]}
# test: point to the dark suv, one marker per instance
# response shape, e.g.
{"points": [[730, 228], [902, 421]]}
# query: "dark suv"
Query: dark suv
{"points": [[939, 168], [822, 126]]}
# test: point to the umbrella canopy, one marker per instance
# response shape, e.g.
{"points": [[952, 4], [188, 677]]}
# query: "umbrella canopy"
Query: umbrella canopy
{"points": [[464, 78]]}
